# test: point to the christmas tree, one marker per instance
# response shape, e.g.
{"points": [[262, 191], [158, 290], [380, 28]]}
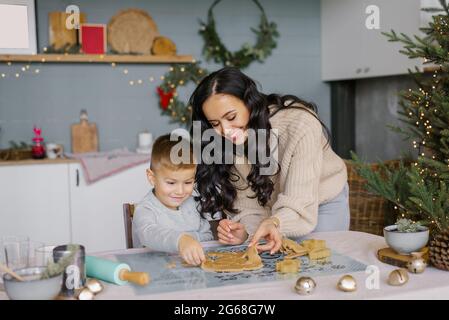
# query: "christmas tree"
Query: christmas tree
{"points": [[419, 189]]}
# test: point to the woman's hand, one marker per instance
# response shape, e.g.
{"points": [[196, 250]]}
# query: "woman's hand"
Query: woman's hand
{"points": [[230, 232], [191, 250], [268, 230]]}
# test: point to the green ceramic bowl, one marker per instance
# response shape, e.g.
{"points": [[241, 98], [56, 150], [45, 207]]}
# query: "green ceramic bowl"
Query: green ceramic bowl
{"points": [[406, 242]]}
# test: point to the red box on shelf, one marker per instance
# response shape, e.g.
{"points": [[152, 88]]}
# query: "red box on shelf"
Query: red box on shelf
{"points": [[93, 38]]}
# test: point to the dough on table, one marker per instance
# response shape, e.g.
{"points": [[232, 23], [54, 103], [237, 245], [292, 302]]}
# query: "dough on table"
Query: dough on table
{"points": [[318, 254], [316, 249], [314, 244], [292, 249], [288, 266], [232, 261]]}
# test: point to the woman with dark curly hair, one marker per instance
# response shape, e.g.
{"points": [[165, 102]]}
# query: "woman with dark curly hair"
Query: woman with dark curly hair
{"points": [[306, 192]]}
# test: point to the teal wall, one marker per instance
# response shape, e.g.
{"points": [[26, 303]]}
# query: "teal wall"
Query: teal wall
{"points": [[53, 98]]}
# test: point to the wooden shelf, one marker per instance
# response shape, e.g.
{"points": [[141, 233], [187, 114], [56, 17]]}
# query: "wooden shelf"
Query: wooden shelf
{"points": [[96, 58]]}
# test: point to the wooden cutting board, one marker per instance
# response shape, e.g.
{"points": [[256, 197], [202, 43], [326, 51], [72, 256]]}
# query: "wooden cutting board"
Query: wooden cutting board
{"points": [[132, 31], [58, 33], [84, 137], [389, 256]]}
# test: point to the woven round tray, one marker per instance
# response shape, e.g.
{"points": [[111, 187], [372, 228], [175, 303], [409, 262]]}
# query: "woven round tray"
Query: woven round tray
{"points": [[132, 31]]}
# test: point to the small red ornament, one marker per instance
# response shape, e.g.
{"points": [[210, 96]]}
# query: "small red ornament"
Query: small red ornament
{"points": [[165, 97], [38, 150]]}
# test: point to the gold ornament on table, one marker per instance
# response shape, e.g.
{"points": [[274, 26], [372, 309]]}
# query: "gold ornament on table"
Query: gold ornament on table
{"points": [[347, 283], [417, 264], [398, 277], [86, 294], [94, 285], [92, 288], [305, 286]]}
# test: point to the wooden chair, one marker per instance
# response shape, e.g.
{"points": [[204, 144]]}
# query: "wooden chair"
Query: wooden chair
{"points": [[128, 213]]}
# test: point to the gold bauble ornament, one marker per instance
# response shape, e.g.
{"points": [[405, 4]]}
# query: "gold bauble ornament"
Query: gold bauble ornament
{"points": [[86, 294], [347, 283], [305, 285], [94, 286], [398, 277], [417, 264]]}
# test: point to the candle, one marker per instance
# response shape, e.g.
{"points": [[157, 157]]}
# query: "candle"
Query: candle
{"points": [[145, 139]]}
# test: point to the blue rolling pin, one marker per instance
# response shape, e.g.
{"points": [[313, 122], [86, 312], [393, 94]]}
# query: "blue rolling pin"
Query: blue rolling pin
{"points": [[114, 272]]}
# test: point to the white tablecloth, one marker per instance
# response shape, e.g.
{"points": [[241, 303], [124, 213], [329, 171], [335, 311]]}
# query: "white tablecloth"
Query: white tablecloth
{"points": [[432, 284]]}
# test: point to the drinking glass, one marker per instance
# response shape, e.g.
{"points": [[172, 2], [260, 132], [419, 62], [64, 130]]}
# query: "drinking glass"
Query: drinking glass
{"points": [[14, 252]]}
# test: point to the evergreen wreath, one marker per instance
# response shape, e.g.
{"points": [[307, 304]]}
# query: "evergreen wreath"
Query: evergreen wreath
{"points": [[215, 50], [182, 74], [178, 75]]}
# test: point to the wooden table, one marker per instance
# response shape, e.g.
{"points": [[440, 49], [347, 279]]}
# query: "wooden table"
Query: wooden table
{"points": [[432, 284]]}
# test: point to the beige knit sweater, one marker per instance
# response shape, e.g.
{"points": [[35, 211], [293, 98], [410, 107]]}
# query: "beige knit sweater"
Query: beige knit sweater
{"points": [[309, 174]]}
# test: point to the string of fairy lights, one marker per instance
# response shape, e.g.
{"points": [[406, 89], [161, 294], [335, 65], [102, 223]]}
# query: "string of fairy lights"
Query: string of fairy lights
{"points": [[17, 69], [179, 74], [418, 99]]}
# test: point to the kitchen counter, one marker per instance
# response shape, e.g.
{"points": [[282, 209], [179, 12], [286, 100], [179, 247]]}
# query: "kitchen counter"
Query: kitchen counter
{"points": [[37, 161]]}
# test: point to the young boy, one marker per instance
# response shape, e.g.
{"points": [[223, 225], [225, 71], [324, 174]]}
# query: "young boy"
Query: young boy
{"points": [[167, 218]]}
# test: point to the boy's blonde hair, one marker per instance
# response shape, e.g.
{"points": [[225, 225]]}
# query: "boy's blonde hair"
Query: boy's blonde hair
{"points": [[162, 148]]}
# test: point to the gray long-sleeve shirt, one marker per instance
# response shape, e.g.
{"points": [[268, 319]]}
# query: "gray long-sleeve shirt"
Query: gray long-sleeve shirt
{"points": [[157, 227]]}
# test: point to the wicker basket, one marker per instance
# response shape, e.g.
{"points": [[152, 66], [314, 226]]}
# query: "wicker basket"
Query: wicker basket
{"points": [[15, 154], [369, 213]]}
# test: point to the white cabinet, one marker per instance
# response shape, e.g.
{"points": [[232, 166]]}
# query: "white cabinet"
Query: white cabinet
{"points": [[96, 209], [34, 201], [351, 50], [53, 204]]}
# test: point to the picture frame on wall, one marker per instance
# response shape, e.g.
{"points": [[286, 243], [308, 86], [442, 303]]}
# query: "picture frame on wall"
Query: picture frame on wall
{"points": [[18, 27]]}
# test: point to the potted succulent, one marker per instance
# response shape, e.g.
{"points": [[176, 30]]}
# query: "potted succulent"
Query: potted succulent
{"points": [[406, 236]]}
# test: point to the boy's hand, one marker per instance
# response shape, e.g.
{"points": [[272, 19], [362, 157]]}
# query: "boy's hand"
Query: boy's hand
{"points": [[190, 250], [230, 232]]}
